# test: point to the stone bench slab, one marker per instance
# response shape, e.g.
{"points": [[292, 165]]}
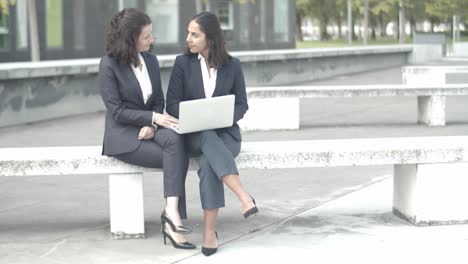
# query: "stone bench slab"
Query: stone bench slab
{"points": [[276, 154], [267, 105], [413, 157], [356, 90]]}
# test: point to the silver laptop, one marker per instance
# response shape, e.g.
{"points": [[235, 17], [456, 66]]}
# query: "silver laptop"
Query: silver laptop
{"points": [[205, 114]]}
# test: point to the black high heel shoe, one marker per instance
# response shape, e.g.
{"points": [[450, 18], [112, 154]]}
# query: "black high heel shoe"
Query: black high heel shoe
{"points": [[252, 210], [209, 251], [178, 229], [184, 245]]}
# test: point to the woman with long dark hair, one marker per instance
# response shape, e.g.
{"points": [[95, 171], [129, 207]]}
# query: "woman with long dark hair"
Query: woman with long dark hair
{"points": [[207, 70], [136, 129]]}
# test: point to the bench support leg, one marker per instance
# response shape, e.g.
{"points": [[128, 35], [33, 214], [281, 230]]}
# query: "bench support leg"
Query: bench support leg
{"points": [[431, 194], [431, 110], [271, 114], [126, 206]]}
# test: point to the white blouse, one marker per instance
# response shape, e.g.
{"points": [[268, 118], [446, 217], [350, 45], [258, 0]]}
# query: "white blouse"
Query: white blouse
{"points": [[143, 79], [209, 79]]}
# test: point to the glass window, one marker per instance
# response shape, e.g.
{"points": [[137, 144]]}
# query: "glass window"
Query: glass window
{"points": [[281, 20], [223, 9], [202, 5], [4, 32], [79, 34], [21, 24], [54, 23], [127, 3], [165, 17], [244, 23], [263, 20]]}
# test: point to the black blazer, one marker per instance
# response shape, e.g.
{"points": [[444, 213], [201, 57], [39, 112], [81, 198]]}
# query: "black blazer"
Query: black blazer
{"points": [[126, 112], [186, 84]]}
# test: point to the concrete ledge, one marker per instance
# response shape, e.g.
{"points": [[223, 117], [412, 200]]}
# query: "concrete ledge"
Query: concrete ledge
{"points": [[277, 154], [357, 90], [284, 100], [122, 236], [126, 184], [31, 92], [460, 49], [423, 53], [431, 194], [430, 75], [21, 70]]}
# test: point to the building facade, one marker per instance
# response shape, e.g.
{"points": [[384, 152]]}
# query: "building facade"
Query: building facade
{"points": [[76, 28]]}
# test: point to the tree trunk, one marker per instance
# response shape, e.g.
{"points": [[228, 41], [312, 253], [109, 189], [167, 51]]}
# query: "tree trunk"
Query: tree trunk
{"points": [[397, 26], [350, 22], [366, 22], [299, 35], [353, 33], [340, 30], [401, 23], [383, 28], [413, 25], [323, 29], [452, 28], [33, 34]]}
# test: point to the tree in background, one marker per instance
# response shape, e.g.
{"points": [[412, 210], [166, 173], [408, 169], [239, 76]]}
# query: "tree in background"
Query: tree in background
{"points": [[444, 10], [323, 10], [302, 11], [415, 12], [4, 9], [380, 14]]}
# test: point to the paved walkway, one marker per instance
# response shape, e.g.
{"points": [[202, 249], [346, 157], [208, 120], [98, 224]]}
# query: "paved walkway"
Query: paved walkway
{"points": [[322, 215]]}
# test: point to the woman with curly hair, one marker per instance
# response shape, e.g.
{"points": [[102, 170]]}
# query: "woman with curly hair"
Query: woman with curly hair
{"points": [[136, 129]]}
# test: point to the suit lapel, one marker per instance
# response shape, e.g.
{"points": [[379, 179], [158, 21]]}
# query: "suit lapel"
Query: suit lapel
{"points": [[198, 89], [220, 78], [134, 84], [151, 68]]}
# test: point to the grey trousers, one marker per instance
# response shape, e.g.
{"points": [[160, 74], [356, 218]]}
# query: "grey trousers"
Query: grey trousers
{"points": [[216, 150], [167, 151]]}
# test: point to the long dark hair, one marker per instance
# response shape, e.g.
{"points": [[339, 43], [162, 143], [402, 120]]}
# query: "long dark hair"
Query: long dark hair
{"points": [[122, 35], [209, 24]]}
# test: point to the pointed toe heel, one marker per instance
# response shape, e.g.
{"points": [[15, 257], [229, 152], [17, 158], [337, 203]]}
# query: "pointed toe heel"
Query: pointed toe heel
{"points": [[252, 210], [178, 229], [210, 251], [183, 245]]}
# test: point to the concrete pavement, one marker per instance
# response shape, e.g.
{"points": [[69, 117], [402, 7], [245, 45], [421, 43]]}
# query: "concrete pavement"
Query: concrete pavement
{"points": [[324, 215]]}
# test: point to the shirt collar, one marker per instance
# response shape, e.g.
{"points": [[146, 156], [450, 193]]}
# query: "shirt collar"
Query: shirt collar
{"points": [[142, 60]]}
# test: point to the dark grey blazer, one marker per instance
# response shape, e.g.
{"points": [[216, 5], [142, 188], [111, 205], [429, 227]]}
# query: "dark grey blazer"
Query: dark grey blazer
{"points": [[126, 112], [186, 84]]}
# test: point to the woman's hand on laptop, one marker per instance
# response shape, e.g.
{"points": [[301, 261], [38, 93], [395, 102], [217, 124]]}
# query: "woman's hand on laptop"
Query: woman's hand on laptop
{"points": [[166, 120]]}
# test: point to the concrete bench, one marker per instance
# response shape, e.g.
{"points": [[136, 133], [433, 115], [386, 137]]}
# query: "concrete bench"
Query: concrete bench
{"points": [[431, 75], [429, 172], [267, 105], [460, 49]]}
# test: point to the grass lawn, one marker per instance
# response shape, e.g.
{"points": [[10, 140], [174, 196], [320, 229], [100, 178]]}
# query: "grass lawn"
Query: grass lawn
{"points": [[344, 43]]}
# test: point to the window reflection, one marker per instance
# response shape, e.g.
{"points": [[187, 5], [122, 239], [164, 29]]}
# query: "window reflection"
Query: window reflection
{"points": [[4, 32], [165, 17], [21, 24], [54, 23], [281, 20]]}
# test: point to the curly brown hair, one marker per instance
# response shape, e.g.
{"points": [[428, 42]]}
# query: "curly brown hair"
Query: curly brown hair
{"points": [[122, 35]]}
